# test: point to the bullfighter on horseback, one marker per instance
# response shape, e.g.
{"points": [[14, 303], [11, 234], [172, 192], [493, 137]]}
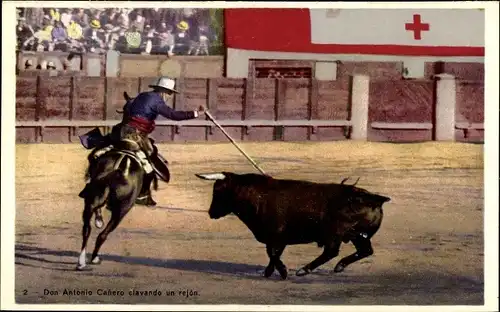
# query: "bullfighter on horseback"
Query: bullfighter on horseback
{"points": [[139, 115], [123, 164]]}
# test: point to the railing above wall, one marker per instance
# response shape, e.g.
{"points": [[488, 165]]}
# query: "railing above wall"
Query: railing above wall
{"points": [[423, 125], [191, 123], [73, 125], [246, 123]]}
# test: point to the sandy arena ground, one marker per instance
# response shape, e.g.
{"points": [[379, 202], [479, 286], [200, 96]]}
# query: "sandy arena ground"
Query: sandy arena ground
{"points": [[429, 249]]}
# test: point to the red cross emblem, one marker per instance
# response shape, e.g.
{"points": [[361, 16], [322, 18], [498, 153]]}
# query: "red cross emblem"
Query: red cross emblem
{"points": [[417, 27]]}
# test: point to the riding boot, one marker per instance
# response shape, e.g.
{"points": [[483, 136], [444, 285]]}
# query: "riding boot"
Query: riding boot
{"points": [[145, 197], [146, 200]]}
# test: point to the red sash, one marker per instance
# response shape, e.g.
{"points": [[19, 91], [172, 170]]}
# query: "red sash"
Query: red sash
{"points": [[141, 124]]}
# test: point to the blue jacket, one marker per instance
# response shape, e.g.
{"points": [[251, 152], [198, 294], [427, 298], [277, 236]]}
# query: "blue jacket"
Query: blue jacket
{"points": [[149, 105]]}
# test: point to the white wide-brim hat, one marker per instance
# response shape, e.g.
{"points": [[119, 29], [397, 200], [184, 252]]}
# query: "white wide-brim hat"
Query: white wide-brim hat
{"points": [[164, 83]]}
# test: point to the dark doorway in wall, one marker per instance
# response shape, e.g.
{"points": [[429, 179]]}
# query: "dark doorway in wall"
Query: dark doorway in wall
{"points": [[283, 72], [288, 69]]}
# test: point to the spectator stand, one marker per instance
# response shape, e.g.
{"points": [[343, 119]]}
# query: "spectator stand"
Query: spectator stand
{"points": [[137, 31]]}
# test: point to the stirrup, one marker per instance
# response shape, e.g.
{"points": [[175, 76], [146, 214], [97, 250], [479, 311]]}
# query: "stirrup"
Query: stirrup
{"points": [[145, 200]]}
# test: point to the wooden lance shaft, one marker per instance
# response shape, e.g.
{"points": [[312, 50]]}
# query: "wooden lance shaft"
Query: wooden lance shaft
{"points": [[234, 143]]}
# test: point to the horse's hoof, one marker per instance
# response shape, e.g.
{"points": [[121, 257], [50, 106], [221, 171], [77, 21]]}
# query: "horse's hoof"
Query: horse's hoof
{"points": [[99, 223], [96, 260], [339, 268], [302, 272], [268, 271], [82, 268], [146, 202]]}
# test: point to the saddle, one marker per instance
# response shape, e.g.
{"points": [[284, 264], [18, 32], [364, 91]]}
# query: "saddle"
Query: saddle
{"points": [[103, 144]]}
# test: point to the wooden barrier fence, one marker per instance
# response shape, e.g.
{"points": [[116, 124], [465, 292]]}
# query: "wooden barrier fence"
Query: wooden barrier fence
{"points": [[58, 109]]}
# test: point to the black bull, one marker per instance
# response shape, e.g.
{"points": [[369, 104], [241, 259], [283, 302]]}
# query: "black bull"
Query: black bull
{"points": [[287, 212]]}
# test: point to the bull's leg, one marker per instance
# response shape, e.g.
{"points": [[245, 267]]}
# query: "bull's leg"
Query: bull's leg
{"points": [[363, 249], [280, 266], [330, 251], [274, 254]]}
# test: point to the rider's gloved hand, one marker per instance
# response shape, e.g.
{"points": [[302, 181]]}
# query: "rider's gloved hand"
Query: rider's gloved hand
{"points": [[201, 110]]}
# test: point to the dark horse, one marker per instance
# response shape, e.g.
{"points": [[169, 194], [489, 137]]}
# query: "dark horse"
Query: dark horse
{"points": [[116, 176], [115, 179]]}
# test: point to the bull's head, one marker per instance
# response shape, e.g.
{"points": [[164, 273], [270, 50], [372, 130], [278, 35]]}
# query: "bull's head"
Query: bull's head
{"points": [[223, 197]]}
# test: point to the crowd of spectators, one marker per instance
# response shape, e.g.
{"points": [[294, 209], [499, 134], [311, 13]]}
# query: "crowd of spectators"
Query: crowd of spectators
{"points": [[145, 31]]}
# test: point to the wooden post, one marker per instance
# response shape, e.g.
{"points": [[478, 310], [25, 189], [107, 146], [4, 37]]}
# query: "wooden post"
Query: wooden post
{"points": [[359, 107], [280, 102], [38, 106], [72, 100], [247, 103], [313, 106], [281, 86], [444, 127], [178, 102], [212, 85], [249, 96], [109, 87]]}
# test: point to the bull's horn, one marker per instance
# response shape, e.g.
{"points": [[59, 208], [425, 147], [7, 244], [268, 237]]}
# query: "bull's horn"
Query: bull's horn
{"points": [[356, 181], [211, 176], [344, 180]]}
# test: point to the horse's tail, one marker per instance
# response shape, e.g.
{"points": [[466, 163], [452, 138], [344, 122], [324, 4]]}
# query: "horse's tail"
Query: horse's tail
{"points": [[111, 178], [91, 162], [87, 174], [102, 182]]}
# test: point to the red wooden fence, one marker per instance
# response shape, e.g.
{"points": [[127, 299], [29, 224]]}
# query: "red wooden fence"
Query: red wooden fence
{"points": [[58, 109]]}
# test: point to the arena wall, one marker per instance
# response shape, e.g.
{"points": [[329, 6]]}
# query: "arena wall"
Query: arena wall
{"points": [[392, 101]]}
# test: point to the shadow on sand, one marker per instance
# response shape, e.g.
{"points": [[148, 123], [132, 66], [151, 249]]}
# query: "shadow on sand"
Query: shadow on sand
{"points": [[322, 275], [215, 267], [441, 287]]}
